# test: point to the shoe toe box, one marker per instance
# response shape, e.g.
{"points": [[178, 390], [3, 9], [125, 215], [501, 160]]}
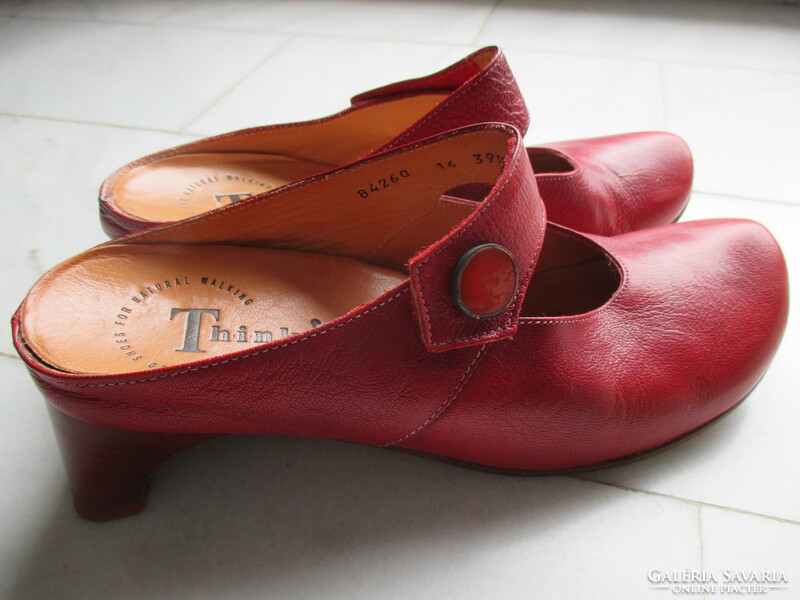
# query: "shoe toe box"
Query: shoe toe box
{"points": [[654, 171], [699, 314], [623, 183], [712, 303]]}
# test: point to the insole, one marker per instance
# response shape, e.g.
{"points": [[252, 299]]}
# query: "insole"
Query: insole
{"points": [[132, 308], [216, 171], [183, 186]]}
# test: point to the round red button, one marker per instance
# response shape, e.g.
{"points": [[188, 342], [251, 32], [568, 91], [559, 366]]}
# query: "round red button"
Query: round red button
{"points": [[485, 281]]}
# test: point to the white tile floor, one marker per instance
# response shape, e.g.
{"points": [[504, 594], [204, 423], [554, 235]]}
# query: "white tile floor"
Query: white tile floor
{"points": [[88, 85]]}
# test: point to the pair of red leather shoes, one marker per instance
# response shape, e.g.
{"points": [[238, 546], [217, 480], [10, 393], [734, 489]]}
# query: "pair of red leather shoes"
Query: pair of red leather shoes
{"points": [[387, 276]]}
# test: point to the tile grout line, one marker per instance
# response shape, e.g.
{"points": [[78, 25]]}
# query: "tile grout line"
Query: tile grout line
{"points": [[679, 63], [485, 22], [10, 356], [700, 538], [95, 123], [239, 82], [740, 511], [175, 8], [405, 41], [256, 31], [702, 544], [749, 198], [663, 87], [33, 257]]}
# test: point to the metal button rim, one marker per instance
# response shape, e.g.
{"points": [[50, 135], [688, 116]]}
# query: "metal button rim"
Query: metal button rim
{"points": [[459, 270]]}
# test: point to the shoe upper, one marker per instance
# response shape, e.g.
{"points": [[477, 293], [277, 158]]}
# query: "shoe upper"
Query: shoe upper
{"points": [[607, 346], [693, 325]]}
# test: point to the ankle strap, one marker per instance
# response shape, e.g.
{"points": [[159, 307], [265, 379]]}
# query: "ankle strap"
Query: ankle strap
{"points": [[509, 220]]}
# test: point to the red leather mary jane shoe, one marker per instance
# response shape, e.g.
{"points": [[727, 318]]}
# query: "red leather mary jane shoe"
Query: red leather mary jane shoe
{"points": [[371, 305], [607, 185]]}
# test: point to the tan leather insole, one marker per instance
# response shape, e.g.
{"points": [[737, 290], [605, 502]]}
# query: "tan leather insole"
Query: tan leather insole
{"points": [[380, 211], [183, 186], [197, 177], [132, 308]]}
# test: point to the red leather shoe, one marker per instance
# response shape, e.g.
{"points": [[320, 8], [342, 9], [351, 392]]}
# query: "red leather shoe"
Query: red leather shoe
{"points": [[367, 305], [605, 185]]}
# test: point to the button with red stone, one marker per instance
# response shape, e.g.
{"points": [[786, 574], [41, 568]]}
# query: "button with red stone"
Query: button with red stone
{"points": [[485, 281]]}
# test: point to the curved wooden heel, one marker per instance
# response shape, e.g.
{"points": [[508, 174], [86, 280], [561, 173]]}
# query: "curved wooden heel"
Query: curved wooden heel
{"points": [[109, 469]]}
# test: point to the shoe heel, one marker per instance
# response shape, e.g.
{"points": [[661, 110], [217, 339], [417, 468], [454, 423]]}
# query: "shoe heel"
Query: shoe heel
{"points": [[109, 469]]}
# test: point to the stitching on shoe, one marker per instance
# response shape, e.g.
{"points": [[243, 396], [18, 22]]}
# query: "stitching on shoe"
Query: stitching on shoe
{"points": [[514, 307], [599, 311], [235, 358], [555, 176], [399, 140], [419, 288], [465, 377], [251, 131]]}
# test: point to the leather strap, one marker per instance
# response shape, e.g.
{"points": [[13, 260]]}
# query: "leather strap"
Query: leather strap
{"points": [[482, 88], [512, 215]]}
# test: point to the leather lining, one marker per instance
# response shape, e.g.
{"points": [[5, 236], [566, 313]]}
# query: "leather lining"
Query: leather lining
{"points": [[382, 211], [203, 175], [179, 187], [547, 161], [571, 277]]}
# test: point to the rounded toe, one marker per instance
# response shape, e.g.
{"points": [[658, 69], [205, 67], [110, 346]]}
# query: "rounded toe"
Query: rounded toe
{"points": [[621, 183], [723, 307], [670, 162], [655, 171]]}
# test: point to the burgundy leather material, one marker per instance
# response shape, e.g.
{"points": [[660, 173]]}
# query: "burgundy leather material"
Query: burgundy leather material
{"points": [[698, 315], [478, 95], [447, 80], [619, 183], [512, 215], [695, 323]]}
